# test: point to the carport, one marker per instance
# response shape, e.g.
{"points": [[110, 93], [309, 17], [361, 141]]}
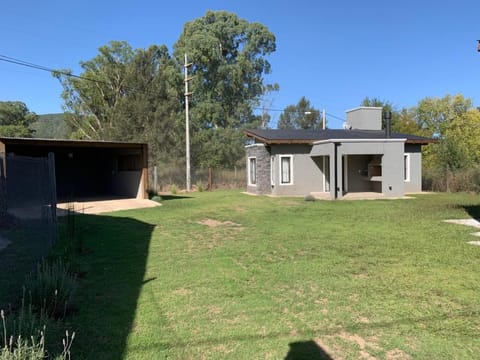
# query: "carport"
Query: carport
{"points": [[87, 169]]}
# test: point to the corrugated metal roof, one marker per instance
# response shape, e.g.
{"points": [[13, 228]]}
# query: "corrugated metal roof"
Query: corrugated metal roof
{"points": [[296, 136]]}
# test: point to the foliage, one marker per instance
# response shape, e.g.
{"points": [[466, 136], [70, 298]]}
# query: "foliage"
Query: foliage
{"points": [[51, 126], [125, 94], [455, 124], [51, 288], [300, 116], [435, 115], [157, 198], [15, 119], [388, 274], [228, 57], [22, 336]]}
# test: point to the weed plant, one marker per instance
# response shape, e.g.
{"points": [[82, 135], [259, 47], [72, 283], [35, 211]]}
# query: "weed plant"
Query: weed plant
{"points": [[51, 288]]}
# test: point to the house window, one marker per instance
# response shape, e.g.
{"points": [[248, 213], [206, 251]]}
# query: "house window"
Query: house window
{"points": [[252, 171], [286, 170], [272, 170], [406, 167]]}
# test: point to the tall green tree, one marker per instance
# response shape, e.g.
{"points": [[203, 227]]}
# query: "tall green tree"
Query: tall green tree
{"points": [[300, 116], [125, 94], [441, 118], [15, 119], [229, 63], [435, 115]]}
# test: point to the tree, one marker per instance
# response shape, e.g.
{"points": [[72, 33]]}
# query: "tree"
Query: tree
{"points": [[228, 57], [435, 115], [15, 119], [300, 116], [125, 94]]}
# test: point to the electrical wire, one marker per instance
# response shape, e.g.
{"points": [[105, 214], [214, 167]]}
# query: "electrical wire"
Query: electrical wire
{"points": [[20, 62]]}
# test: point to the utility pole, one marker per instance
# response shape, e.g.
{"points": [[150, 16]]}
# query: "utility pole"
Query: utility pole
{"points": [[187, 124], [323, 119]]}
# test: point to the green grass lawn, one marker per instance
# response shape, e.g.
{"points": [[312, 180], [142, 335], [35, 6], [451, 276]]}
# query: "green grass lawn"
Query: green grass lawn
{"points": [[223, 275]]}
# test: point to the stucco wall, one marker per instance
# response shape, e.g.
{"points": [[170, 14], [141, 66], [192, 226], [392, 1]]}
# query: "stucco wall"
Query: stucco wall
{"points": [[392, 162], [365, 118], [415, 183], [307, 173]]}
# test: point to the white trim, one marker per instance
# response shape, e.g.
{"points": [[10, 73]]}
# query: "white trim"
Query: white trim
{"points": [[254, 145], [319, 142], [249, 170], [406, 167], [272, 170], [280, 169]]}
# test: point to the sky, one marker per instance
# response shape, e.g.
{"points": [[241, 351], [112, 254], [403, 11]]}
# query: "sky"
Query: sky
{"points": [[335, 53]]}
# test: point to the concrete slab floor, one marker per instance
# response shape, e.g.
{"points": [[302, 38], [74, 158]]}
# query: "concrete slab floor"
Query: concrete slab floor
{"points": [[92, 206]]}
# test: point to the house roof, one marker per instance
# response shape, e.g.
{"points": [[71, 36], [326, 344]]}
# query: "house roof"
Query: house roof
{"points": [[68, 143], [300, 136]]}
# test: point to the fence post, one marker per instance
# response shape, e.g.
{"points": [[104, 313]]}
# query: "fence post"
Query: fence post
{"points": [[155, 179], [210, 180]]}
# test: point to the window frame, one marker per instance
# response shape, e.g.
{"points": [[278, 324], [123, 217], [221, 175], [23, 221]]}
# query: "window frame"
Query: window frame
{"points": [[280, 167], [249, 164], [272, 170], [406, 167]]}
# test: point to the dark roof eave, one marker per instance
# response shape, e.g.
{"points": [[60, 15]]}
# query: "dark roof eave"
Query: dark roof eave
{"points": [[68, 143]]}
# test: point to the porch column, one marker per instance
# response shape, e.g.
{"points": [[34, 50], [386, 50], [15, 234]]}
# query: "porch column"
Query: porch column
{"points": [[338, 171]]}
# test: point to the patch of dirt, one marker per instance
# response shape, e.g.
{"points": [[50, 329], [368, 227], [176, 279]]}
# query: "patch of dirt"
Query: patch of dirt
{"points": [[360, 276], [182, 292], [397, 354], [214, 223]]}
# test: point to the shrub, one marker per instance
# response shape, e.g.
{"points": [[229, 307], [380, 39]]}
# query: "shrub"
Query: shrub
{"points": [[173, 189], [15, 344], [50, 288], [200, 187], [310, 198], [157, 198]]}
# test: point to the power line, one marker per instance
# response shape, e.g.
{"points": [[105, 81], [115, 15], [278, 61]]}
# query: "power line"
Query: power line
{"points": [[43, 68], [20, 62]]}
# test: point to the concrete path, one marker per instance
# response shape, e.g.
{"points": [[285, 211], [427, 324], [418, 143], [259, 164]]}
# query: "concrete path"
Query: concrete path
{"points": [[468, 222], [103, 206]]}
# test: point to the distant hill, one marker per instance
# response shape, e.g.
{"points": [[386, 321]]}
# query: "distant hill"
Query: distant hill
{"points": [[51, 126]]}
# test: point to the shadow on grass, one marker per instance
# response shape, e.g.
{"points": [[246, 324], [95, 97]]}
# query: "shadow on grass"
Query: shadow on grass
{"points": [[174, 197], [306, 350], [28, 242], [473, 211], [114, 262]]}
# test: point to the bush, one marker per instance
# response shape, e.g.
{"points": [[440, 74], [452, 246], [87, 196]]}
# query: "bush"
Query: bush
{"points": [[15, 344], [51, 288], [200, 187], [310, 198], [157, 198]]}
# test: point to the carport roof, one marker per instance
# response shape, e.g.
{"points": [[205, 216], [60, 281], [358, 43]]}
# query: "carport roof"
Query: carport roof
{"points": [[69, 143], [300, 136]]}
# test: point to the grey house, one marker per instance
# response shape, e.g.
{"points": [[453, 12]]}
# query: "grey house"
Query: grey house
{"points": [[330, 163]]}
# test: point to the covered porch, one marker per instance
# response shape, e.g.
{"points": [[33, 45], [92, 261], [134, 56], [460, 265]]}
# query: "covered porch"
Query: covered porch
{"points": [[359, 168]]}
